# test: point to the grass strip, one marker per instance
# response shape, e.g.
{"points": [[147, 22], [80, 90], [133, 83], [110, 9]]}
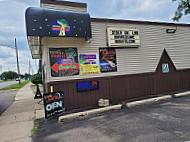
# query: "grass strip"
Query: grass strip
{"points": [[16, 86]]}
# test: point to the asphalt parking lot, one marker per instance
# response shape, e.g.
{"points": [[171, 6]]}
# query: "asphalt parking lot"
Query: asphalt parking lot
{"points": [[166, 121]]}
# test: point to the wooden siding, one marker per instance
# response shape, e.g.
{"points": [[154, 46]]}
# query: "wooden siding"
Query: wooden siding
{"points": [[122, 88], [63, 7]]}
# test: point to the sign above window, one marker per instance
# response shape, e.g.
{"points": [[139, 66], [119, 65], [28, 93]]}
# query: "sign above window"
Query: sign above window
{"points": [[121, 37]]}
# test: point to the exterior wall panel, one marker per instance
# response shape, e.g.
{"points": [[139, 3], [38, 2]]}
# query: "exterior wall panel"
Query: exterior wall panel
{"points": [[130, 60], [122, 88], [125, 87], [62, 7]]}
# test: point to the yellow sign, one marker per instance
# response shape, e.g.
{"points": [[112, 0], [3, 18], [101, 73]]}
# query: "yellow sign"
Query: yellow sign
{"points": [[89, 64], [89, 69], [120, 37]]}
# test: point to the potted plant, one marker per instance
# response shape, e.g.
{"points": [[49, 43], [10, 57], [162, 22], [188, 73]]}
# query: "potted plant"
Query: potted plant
{"points": [[37, 79]]}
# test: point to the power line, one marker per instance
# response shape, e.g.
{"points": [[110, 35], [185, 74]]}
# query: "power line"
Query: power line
{"points": [[6, 37], [10, 46]]}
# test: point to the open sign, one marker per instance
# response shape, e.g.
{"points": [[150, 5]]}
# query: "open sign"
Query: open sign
{"points": [[53, 103]]}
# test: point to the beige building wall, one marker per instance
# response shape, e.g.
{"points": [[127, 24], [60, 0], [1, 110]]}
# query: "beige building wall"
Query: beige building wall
{"points": [[63, 7], [143, 59]]}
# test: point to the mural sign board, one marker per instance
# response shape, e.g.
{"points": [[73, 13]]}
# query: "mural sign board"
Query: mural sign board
{"points": [[121, 37], [89, 64], [64, 62], [108, 61], [53, 103]]}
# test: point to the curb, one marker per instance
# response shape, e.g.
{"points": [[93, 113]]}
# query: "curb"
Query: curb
{"points": [[89, 112], [119, 106], [148, 101], [182, 94]]}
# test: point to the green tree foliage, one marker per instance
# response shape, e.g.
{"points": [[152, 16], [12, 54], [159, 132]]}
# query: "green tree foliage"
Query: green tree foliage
{"points": [[27, 76], [9, 75], [182, 9], [21, 76], [36, 79]]}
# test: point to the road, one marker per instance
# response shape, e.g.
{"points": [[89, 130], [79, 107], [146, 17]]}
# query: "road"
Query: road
{"points": [[166, 121], [6, 99], [5, 84]]}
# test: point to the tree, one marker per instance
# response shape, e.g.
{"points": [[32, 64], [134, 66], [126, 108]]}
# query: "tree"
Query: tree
{"points": [[9, 75], [182, 9], [27, 76], [21, 76]]}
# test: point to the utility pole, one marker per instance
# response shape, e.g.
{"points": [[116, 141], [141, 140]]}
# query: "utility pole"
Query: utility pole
{"points": [[29, 67], [0, 69], [18, 69]]}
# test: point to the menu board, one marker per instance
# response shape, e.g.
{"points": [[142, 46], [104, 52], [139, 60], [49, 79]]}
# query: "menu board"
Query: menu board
{"points": [[121, 37], [64, 62], [89, 64], [108, 61]]}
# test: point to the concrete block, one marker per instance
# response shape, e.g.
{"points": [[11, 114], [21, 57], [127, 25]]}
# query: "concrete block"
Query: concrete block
{"points": [[89, 112]]}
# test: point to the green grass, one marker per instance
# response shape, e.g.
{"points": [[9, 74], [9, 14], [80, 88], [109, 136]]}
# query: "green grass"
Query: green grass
{"points": [[16, 86]]}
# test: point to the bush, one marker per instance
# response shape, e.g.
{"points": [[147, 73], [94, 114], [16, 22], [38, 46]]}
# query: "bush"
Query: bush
{"points": [[36, 79]]}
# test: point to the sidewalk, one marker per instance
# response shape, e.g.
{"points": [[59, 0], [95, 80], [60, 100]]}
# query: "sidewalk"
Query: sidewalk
{"points": [[16, 122]]}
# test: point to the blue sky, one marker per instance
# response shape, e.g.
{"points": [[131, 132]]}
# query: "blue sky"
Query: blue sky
{"points": [[12, 23]]}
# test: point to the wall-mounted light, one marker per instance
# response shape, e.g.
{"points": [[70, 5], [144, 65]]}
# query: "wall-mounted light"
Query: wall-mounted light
{"points": [[171, 30]]}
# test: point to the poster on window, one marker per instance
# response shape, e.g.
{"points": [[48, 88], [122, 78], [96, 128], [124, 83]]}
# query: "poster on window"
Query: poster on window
{"points": [[64, 62], [108, 61], [89, 64]]}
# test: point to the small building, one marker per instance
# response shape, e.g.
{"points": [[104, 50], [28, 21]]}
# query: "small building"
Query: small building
{"points": [[96, 58]]}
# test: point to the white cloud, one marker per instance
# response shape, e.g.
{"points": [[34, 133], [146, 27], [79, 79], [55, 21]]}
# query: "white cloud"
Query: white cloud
{"points": [[12, 26], [8, 60]]}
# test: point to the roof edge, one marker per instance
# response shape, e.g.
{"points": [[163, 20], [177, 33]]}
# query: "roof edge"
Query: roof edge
{"points": [[137, 22], [66, 3]]}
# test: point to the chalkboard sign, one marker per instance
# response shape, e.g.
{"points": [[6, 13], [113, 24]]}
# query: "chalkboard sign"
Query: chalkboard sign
{"points": [[87, 85], [53, 103]]}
